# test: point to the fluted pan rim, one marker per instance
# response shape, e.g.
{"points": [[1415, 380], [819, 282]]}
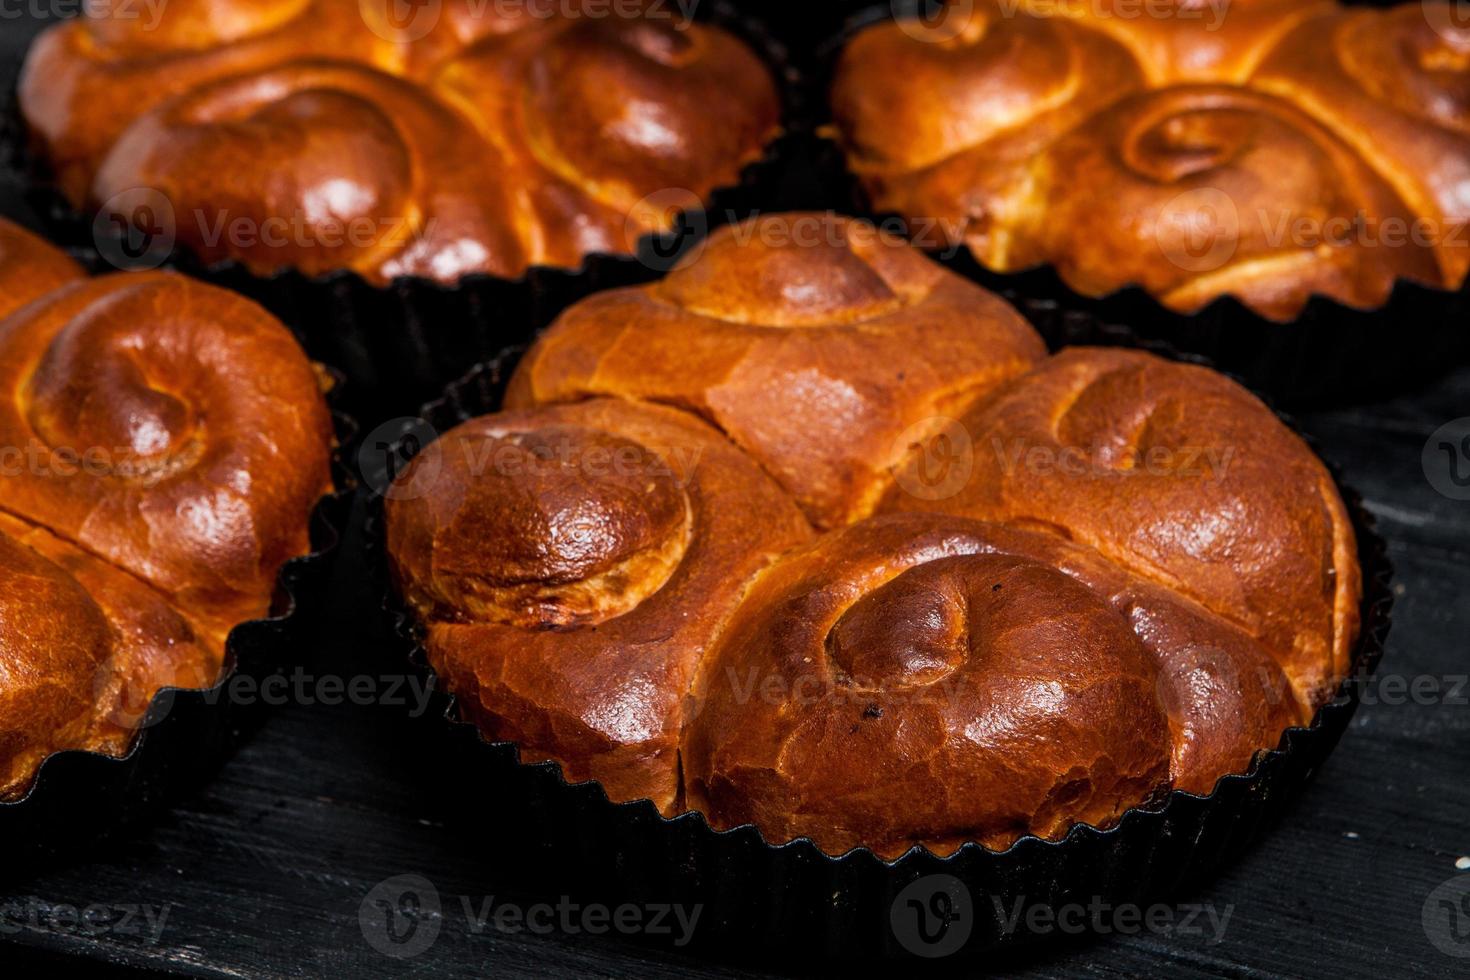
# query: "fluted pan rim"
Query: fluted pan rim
{"points": [[61, 771], [480, 389]]}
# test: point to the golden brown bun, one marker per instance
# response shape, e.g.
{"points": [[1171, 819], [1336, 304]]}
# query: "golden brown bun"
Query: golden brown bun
{"points": [[86, 80], [1128, 576], [1397, 91], [573, 563], [162, 444], [1288, 150], [818, 345], [418, 197], [49, 664], [592, 119], [1180, 475], [917, 679], [30, 268], [338, 137], [179, 433], [84, 649]]}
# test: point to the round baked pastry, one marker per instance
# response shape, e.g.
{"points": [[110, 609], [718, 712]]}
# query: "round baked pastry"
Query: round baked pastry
{"points": [[917, 679], [1179, 474], [165, 443], [572, 564], [1286, 150], [468, 138], [30, 268], [819, 345], [98, 644], [1121, 575]]}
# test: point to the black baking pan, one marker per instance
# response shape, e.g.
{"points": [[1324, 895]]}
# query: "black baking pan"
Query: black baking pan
{"points": [[794, 898], [80, 799]]}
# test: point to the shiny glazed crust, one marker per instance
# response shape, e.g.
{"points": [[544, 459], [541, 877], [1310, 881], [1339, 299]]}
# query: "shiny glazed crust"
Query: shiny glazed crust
{"points": [[324, 135], [1052, 589], [1187, 480], [1268, 150], [575, 562], [864, 342], [164, 444], [935, 680]]}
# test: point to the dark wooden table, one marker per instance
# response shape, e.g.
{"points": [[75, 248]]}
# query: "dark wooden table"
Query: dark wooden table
{"points": [[264, 871]]}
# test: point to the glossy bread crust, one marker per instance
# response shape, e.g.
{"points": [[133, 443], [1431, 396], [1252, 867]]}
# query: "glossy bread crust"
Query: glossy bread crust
{"points": [[1105, 576], [164, 444], [1180, 475], [819, 346], [81, 674], [30, 268], [323, 135], [1269, 150], [573, 563], [925, 679]]}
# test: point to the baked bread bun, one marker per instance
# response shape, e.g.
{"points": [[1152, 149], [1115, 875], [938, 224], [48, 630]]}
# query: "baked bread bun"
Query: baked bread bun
{"points": [[97, 644], [320, 135], [817, 344], [1180, 475], [165, 444], [30, 268], [572, 563], [1105, 577], [1290, 149], [925, 679]]}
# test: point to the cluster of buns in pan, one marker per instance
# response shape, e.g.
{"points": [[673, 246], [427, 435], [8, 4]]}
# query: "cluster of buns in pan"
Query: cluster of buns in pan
{"points": [[1270, 150], [813, 534], [466, 137], [162, 444], [1264, 149]]}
